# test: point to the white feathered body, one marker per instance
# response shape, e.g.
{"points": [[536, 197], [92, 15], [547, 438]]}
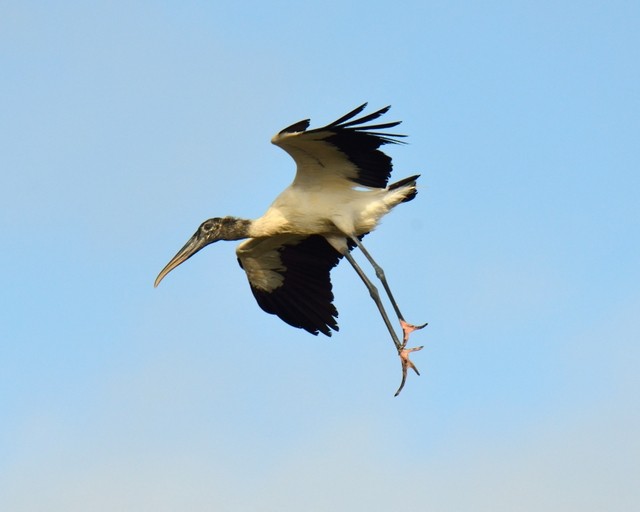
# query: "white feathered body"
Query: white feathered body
{"points": [[332, 208]]}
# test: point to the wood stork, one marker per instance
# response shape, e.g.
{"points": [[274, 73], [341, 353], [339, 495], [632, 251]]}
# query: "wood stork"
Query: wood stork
{"points": [[339, 194]]}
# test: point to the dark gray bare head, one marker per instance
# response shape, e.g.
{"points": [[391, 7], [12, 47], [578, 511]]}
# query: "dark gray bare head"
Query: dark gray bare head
{"points": [[211, 230]]}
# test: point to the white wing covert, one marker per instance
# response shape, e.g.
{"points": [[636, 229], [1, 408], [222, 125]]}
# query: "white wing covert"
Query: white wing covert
{"points": [[344, 149], [289, 276]]}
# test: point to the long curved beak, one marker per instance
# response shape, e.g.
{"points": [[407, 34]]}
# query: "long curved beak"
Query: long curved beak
{"points": [[194, 244]]}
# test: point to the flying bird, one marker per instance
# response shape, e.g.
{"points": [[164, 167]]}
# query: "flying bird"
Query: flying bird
{"points": [[338, 195]]}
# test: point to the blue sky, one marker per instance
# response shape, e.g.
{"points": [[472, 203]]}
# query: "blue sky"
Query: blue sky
{"points": [[125, 124]]}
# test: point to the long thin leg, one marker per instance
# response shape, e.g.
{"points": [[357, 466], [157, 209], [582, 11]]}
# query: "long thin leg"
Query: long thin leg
{"points": [[373, 291], [407, 328], [403, 352]]}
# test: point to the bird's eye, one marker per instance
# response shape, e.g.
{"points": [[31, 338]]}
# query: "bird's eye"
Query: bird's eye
{"points": [[207, 226]]}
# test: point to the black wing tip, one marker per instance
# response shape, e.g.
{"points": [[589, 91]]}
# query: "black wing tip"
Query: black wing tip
{"points": [[348, 116], [300, 126], [304, 299], [342, 121], [347, 123], [296, 315], [327, 329]]}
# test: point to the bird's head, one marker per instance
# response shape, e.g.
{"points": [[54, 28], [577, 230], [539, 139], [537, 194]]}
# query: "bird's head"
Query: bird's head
{"points": [[211, 230]]}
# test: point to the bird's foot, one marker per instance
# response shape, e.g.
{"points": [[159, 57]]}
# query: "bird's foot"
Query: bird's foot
{"points": [[407, 329], [404, 354]]}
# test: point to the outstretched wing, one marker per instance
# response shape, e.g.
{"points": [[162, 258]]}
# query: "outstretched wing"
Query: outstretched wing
{"points": [[344, 149], [289, 276]]}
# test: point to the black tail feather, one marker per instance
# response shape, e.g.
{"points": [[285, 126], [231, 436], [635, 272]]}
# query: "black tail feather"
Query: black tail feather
{"points": [[406, 181]]}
